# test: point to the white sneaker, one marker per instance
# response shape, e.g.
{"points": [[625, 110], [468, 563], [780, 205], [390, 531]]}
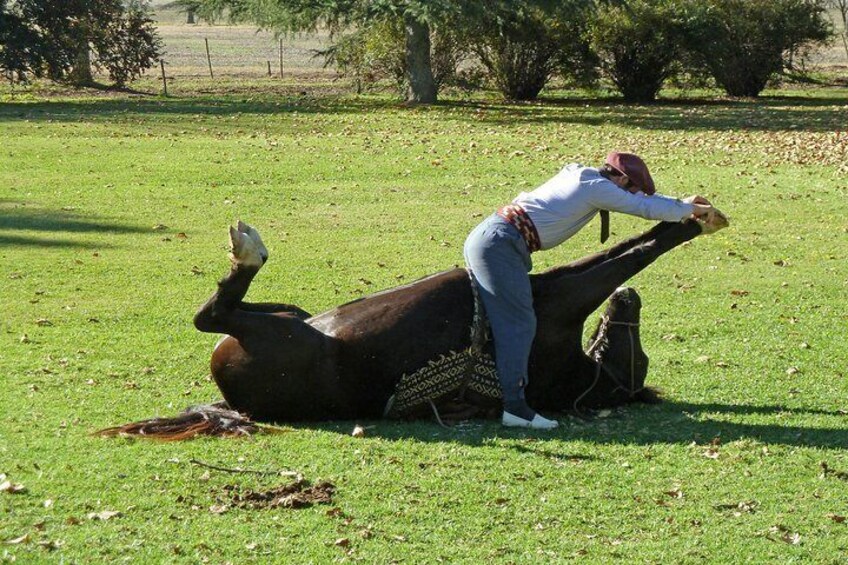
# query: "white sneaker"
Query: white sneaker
{"points": [[537, 423]]}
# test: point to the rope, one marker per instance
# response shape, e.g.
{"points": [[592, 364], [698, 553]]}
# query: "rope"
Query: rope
{"points": [[436, 414]]}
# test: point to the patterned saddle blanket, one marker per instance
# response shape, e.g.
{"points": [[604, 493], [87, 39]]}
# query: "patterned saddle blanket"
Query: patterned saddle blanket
{"points": [[453, 373]]}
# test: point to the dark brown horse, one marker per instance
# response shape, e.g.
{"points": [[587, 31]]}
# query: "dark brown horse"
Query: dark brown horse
{"points": [[280, 364]]}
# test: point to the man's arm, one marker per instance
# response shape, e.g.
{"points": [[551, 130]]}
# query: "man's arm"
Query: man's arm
{"points": [[607, 196]]}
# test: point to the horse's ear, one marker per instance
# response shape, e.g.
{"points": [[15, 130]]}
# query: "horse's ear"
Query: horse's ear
{"points": [[648, 395]]}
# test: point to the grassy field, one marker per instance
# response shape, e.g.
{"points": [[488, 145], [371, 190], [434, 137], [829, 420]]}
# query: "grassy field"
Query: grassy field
{"points": [[113, 216]]}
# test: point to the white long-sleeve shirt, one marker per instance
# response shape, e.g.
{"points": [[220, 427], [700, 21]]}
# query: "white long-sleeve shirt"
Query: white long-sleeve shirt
{"points": [[567, 202]]}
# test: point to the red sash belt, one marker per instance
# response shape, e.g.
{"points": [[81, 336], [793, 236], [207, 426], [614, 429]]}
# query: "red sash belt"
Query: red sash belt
{"points": [[517, 216]]}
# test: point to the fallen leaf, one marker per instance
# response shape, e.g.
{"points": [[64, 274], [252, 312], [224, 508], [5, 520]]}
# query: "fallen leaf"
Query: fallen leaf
{"points": [[711, 454], [50, 545], [675, 493], [103, 515], [218, 508], [739, 292], [792, 371], [791, 538], [342, 542], [23, 539], [159, 227], [836, 518], [44, 322], [12, 488]]}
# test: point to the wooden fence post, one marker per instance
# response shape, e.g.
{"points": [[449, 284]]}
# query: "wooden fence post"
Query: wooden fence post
{"points": [[208, 57], [164, 79]]}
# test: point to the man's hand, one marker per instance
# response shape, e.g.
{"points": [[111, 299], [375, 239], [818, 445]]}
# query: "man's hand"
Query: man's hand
{"points": [[697, 200], [701, 208]]}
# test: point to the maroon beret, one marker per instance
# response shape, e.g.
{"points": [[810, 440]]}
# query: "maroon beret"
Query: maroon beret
{"points": [[635, 169]]}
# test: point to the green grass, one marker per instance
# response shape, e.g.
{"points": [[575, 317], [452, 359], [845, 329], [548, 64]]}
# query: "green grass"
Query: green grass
{"points": [[353, 195]]}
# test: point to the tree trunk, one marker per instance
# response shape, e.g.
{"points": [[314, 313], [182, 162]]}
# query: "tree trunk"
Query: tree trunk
{"points": [[189, 16], [422, 87], [81, 72]]}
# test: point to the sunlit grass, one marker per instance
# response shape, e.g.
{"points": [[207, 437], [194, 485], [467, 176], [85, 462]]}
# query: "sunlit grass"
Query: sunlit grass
{"points": [[113, 216]]}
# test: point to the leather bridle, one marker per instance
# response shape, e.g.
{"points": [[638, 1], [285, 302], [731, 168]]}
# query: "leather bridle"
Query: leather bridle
{"points": [[593, 352]]}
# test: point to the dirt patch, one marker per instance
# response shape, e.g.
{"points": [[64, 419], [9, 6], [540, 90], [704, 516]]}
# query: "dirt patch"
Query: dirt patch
{"points": [[299, 494]]}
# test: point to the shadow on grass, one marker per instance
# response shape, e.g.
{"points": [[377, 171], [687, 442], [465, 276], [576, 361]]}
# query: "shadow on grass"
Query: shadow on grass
{"points": [[776, 113], [17, 217], [666, 423]]}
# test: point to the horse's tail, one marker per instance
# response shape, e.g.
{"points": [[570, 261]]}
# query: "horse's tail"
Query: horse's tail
{"points": [[209, 420]]}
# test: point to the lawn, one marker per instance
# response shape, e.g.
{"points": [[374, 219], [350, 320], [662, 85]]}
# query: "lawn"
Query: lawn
{"points": [[113, 218]]}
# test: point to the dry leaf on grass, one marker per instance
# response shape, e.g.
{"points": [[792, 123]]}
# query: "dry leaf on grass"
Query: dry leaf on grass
{"points": [[836, 518], [10, 487], [104, 515]]}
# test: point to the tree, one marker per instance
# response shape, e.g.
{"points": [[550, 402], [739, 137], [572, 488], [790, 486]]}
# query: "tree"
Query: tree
{"points": [[285, 16], [743, 43], [65, 39], [377, 52], [841, 6], [21, 46]]}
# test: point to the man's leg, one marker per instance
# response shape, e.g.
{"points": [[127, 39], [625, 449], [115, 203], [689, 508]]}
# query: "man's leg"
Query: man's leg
{"points": [[499, 262]]}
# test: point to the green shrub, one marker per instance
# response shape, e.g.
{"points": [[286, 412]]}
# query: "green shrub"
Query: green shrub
{"points": [[521, 44], [518, 50], [638, 44], [744, 43]]}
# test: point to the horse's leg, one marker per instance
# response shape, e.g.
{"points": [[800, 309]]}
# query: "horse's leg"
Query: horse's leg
{"points": [[573, 297], [586, 263], [274, 367], [226, 312], [274, 308]]}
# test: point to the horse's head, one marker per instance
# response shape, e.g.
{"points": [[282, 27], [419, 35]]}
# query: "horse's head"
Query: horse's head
{"points": [[616, 347]]}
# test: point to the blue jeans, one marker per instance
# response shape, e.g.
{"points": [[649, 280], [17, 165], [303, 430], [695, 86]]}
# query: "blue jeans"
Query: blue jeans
{"points": [[500, 262]]}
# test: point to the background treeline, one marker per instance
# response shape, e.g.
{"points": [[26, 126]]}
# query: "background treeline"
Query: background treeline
{"points": [[423, 46], [635, 45]]}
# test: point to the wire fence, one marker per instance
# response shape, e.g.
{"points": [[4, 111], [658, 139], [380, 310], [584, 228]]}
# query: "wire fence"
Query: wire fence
{"points": [[204, 50]]}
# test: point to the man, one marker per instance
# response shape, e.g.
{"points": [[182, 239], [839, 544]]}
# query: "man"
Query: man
{"points": [[498, 253]]}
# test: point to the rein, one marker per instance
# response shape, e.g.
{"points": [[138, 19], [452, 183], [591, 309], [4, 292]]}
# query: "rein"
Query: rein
{"points": [[593, 353]]}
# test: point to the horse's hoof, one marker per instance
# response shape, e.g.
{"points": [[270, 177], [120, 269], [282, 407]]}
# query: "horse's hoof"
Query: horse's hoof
{"points": [[719, 222], [243, 250], [254, 235]]}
